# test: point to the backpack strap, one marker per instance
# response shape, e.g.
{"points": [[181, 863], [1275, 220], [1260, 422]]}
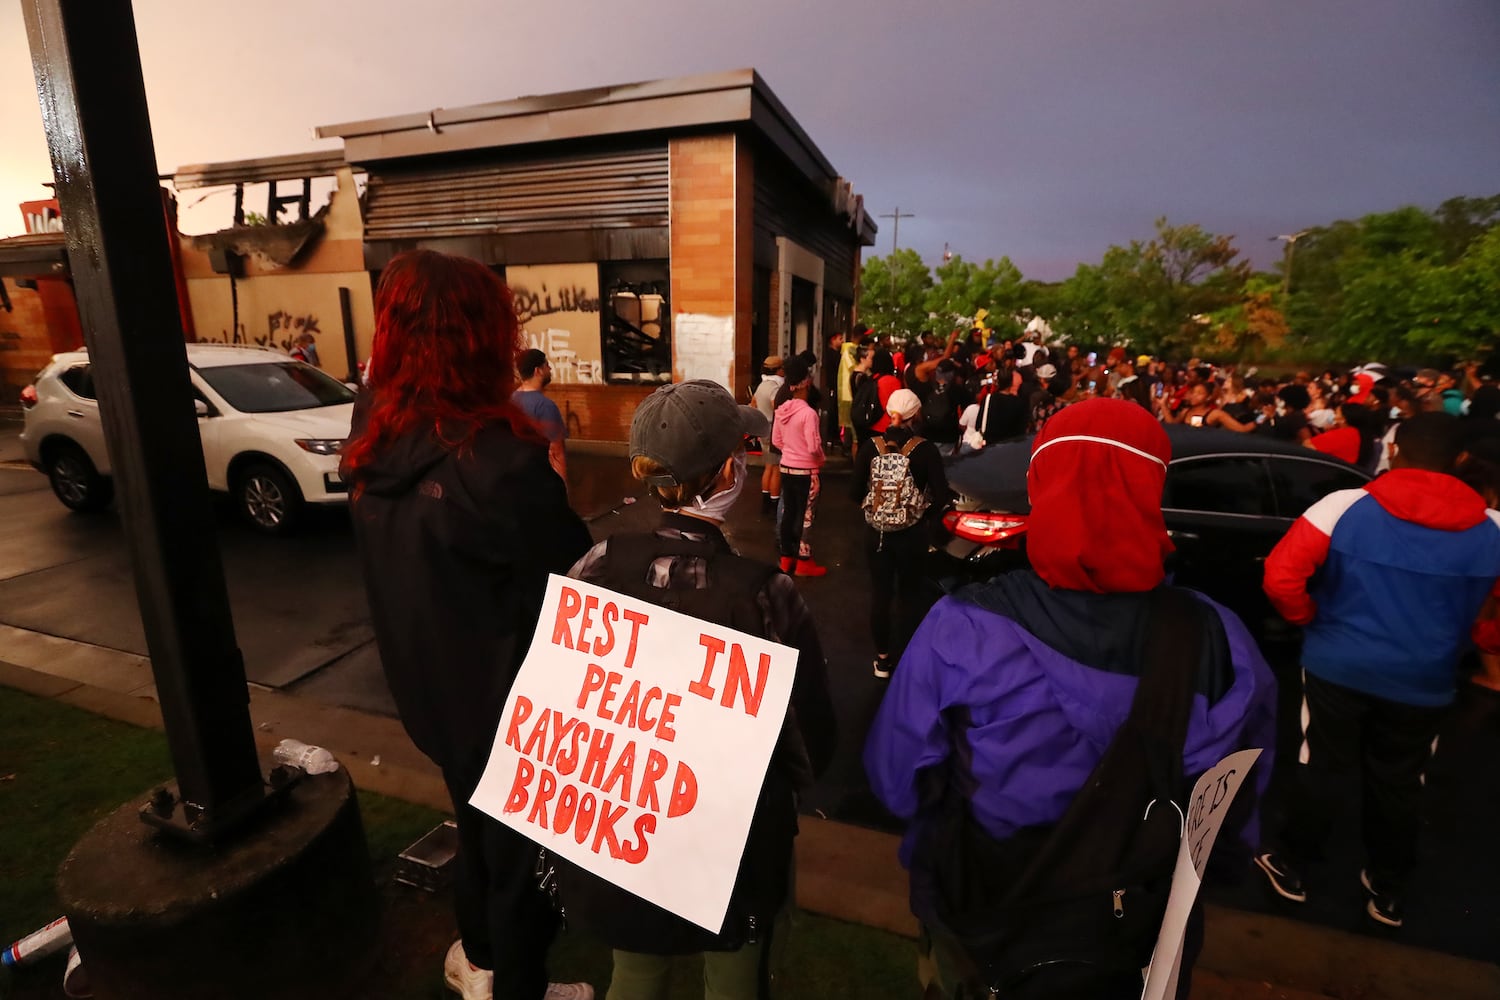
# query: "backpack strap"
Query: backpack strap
{"points": [[1156, 726], [906, 450], [881, 448], [1164, 697]]}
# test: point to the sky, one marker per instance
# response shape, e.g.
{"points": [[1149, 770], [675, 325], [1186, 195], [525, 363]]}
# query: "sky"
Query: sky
{"points": [[1042, 130]]}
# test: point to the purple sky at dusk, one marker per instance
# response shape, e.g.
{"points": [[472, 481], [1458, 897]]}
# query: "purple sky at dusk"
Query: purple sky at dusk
{"points": [[1039, 129]]}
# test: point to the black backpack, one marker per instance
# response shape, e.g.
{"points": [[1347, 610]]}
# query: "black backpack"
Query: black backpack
{"points": [[617, 916], [865, 411], [1071, 911], [940, 412]]}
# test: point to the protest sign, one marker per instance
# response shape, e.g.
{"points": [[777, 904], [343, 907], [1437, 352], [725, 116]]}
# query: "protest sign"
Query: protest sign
{"points": [[1209, 804], [634, 743]]}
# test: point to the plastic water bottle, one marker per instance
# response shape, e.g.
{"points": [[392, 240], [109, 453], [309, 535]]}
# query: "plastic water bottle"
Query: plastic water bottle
{"points": [[313, 760], [38, 945]]}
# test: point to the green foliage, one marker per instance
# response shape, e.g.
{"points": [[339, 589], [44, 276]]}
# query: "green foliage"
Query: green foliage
{"points": [[963, 289], [894, 292], [1401, 286]]}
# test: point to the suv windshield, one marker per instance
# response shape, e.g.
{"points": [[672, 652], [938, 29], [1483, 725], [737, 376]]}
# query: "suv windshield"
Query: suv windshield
{"points": [[271, 388]]}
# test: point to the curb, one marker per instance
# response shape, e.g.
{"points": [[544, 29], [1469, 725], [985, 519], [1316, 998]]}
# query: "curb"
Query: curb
{"points": [[845, 872]]}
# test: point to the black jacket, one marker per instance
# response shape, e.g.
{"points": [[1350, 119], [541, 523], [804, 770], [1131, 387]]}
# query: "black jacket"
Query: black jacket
{"points": [[456, 547]]}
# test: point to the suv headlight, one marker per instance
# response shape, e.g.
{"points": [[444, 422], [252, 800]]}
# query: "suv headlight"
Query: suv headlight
{"points": [[321, 446]]}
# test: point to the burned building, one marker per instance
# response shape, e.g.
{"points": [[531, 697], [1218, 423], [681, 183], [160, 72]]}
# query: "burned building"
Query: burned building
{"points": [[652, 232]]}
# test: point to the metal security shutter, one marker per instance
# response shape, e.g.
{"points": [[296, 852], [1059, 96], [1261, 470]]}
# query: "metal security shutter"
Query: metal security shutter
{"points": [[603, 191]]}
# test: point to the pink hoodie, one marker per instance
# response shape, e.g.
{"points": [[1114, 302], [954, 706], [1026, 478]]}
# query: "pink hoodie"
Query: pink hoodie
{"points": [[795, 432]]}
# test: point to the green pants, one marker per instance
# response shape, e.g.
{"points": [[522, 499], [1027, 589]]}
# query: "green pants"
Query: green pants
{"points": [[727, 975], [745, 974]]}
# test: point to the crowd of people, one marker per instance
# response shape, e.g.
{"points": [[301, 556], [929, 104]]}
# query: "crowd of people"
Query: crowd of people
{"points": [[977, 388], [1011, 697]]}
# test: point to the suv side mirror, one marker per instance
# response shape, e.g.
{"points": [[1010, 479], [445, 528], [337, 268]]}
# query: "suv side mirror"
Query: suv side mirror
{"points": [[200, 407]]}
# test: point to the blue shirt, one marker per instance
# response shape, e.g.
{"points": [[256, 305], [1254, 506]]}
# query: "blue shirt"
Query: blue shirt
{"points": [[543, 412]]}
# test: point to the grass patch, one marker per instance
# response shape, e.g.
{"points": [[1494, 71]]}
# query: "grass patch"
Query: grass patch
{"points": [[63, 769]]}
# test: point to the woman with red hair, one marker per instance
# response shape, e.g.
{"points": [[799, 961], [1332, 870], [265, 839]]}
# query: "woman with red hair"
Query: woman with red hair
{"points": [[459, 518]]}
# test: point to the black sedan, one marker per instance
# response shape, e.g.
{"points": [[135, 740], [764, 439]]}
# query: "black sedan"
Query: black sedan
{"points": [[1228, 500]]}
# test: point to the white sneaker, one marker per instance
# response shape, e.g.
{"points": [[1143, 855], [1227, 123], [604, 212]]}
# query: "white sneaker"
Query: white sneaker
{"points": [[465, 980], [569, 991]]}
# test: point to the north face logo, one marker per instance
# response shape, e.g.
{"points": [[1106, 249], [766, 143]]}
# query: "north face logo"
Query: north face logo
{"points": [[430, 489]]}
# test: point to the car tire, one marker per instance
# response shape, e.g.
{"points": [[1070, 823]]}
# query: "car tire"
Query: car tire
{"points": [[268, 498], [75, 481]]}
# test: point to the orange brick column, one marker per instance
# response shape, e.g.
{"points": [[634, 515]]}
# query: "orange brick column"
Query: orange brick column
{"points": [[711, 201]]}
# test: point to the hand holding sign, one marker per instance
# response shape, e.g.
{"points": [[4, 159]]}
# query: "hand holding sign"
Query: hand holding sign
{"points": [[634, 743], [1207, 808]]}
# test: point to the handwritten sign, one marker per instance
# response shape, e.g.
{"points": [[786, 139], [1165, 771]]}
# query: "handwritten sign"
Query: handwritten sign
{"points": [[1212, 795], [634, 743], [704, 347]]}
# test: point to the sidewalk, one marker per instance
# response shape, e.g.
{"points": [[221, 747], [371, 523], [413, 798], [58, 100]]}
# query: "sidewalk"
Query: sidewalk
{"points": [[845, 872]]}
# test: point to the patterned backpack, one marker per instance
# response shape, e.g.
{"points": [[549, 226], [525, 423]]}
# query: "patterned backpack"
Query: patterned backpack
{"points": [[894, 502]]}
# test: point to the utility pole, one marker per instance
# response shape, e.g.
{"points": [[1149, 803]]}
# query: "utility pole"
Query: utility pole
{"points": [[897, 216]]}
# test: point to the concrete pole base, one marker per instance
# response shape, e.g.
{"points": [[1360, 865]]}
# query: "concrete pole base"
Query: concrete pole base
{"points": [[286, 909]]}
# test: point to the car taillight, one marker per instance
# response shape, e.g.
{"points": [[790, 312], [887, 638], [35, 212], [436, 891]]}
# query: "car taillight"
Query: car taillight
{"points": [[28, 396], [984, 527]]}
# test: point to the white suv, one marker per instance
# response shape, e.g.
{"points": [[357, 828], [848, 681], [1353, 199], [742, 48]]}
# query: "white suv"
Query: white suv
{"points": [[271, 429]]}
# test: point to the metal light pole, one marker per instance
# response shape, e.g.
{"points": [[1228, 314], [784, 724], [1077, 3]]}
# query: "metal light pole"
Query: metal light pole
{"points": [[1291, 244], [896, 218], [88, 76]]}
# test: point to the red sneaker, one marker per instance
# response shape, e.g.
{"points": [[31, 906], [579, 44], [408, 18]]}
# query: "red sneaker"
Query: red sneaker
{"points": [[787, 562], [806, 567]]}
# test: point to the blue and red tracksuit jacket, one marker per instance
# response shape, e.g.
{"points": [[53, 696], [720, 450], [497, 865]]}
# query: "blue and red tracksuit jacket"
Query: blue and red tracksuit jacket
{"points": [[1389, 581]]}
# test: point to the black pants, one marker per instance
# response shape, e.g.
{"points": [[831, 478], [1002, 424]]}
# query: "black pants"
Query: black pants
{"points": [[505, 921], [796, 491], [896, 584], [1386, 744]]}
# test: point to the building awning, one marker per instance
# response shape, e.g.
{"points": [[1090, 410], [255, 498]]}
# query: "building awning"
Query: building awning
{"points": [[36, 255], [626, 188]]}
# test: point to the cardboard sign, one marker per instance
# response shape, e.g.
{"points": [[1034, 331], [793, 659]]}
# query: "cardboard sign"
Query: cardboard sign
{"points": [[634, 743], [1212, 795]]}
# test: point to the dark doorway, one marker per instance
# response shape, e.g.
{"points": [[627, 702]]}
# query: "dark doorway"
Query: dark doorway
{"points": [[804, 315]]}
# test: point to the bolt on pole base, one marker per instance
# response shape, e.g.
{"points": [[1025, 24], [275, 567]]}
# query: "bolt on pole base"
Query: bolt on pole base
{"points": [[168, 812]]}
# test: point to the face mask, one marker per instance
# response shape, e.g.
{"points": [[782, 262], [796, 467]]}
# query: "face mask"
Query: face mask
{"points": [[717, 507]]}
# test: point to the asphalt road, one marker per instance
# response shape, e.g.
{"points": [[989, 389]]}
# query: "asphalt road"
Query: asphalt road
{"points": [[303, 625]]}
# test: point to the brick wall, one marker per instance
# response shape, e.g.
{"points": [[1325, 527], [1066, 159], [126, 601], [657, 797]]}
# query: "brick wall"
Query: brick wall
{"points": [[598, 412], [712, 238], [41, 322]]}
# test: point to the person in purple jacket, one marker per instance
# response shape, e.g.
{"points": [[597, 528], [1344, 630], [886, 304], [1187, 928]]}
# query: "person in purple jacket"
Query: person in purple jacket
{"points": [[1019, 684]]}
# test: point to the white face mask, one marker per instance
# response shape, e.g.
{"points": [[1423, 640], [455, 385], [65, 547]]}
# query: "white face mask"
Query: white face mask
{"points": [[717, 507]]}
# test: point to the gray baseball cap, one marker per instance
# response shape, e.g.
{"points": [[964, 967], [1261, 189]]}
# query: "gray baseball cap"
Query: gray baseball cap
{"points": [[689, 428]]}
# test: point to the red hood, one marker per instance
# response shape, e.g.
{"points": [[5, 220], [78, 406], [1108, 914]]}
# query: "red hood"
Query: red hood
{"points": [[1095, 482], [1431, 499]]}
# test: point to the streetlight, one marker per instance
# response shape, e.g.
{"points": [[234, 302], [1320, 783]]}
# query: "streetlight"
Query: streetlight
{"points": [[1291, 243]]}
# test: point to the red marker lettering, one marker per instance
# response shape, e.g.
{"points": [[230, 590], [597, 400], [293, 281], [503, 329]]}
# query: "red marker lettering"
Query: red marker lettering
{"points": [[567, 609]]}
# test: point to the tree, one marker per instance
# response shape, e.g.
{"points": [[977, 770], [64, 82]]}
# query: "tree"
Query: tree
{"points": [[1457, 308], [1158, 295], [1250, 327], [893, 293], [963, 289], [1406, 285]]}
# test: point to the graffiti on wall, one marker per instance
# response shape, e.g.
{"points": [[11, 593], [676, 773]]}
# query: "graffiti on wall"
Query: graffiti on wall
{"points": [[558, 307], [282, 330]]}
